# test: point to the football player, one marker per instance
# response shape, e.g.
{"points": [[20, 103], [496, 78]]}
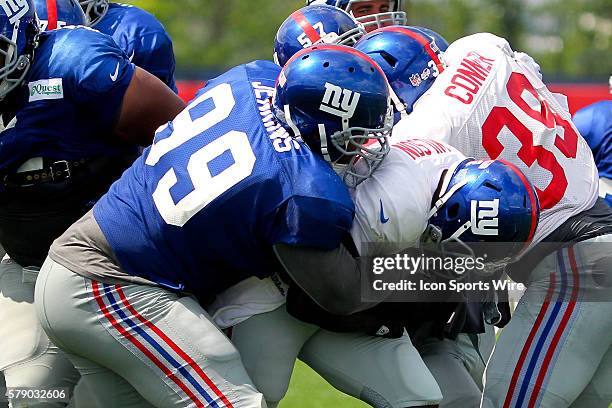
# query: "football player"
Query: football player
{"points": [[491, 103], [138, 33], [372, 14], [595, 124], [71, 104], [458, 361], [225, 193], [270, 342]]}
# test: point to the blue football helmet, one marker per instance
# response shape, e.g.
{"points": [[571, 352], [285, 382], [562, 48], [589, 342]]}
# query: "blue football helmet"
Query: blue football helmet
{"points": [[410, 58], [337, 101], [313, 25], [484, 202], [394, 16], [440, 41], [95, 10], [59, 13], [18, 36]]}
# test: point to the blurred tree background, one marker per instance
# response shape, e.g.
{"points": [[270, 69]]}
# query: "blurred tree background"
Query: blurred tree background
{"points": [[571, 39]]}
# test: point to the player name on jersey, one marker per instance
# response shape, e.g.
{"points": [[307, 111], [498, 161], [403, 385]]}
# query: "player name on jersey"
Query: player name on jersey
{"points": [[421, 148], [473, 72]]}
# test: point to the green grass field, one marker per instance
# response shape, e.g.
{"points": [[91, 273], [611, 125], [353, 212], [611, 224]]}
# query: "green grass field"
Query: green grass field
{"points": [[309, 390]]}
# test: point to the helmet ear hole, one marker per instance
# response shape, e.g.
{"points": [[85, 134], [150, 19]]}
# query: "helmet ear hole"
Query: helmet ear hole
{"points": [[351, 70], [326, 64], [453, 211]]}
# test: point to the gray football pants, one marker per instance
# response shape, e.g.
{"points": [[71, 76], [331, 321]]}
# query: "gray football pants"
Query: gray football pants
{"points": [[28, 358], [385, 373], [556, 350]]}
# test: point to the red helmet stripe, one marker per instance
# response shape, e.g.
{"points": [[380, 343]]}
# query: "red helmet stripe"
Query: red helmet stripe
{"points": [[342, 48], [303, 22], [421, 40], [51, 14], [532, 200]]}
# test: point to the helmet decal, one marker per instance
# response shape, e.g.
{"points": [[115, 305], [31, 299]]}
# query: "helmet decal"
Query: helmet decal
{"points": [[315, 25]]}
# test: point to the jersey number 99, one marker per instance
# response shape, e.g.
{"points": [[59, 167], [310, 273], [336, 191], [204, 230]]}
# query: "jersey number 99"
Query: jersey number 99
{"points": [[194, 121]]}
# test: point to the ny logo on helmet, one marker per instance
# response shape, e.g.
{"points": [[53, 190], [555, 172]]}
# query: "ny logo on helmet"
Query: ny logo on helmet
{"points": [[14, 9], [339, 102], [484, 216]]}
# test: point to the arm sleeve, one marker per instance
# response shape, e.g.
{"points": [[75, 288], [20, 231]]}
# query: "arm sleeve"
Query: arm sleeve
{"points": [[154, 52], [102, 78], [312, 222]]}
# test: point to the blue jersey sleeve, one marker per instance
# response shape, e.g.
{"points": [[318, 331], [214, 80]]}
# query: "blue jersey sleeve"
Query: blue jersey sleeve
{"points": [[312, 222], [594, 123], [154, 53], [100, 84], [143, 38], [319, 210]]}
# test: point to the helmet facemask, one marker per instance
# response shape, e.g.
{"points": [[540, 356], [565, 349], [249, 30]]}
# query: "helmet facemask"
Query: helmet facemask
{"points": [[361, 150], [395, 16], [13, 67], [94, 10], [380, 20], [348, 38]]}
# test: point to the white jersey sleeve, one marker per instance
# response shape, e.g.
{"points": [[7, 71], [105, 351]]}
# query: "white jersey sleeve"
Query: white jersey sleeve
{"points": [[392, 206], [490, 105]]}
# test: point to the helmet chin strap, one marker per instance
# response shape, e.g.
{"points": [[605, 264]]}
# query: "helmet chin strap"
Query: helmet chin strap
{"points": [[444, 198], [323, 140], [448, 194], [399, 106], [290, 122]]}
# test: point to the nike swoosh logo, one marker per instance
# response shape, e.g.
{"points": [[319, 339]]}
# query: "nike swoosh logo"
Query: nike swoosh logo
{"points": [[132, 56], [114, 76], [382, 214]]}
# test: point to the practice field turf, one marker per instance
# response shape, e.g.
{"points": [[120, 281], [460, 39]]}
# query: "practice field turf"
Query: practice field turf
{"points": [[309, 390]]}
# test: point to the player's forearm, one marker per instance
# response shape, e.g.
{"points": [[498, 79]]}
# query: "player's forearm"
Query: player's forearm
{"points": [[331, 278]]}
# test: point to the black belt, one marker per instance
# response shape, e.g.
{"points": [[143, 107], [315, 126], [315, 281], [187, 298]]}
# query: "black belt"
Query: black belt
{"points": [[52, 171]]}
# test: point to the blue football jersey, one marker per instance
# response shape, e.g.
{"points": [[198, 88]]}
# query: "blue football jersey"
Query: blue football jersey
{"points": [[143, 38], [69, 101], [594, 123], [222, 183]]}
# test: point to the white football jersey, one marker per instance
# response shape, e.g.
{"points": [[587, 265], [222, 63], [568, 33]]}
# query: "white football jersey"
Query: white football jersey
{"points": [[392, 206], [490, 103], [391, 212]]}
